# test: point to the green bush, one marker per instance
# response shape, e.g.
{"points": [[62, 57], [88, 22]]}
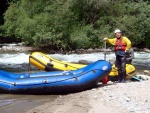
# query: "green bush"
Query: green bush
{"points": [[75, 24]]}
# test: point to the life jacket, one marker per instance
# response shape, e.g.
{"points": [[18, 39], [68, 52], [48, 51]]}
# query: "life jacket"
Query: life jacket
{"points": [[120, 45]]}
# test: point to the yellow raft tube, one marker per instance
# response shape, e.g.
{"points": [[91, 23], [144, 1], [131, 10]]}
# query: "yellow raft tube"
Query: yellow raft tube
{"points": [[47, 63]]}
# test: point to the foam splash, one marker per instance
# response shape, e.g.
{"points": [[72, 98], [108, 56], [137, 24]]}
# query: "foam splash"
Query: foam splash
{"points": [[141, 58]]}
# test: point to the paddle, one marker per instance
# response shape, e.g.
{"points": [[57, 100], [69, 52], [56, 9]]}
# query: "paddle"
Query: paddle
{"points": [[104, 50]]}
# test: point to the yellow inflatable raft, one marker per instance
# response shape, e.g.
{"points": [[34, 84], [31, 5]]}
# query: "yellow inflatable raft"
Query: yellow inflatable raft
{"points": [[47, 63]]}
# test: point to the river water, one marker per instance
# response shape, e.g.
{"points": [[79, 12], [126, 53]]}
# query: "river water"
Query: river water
{"points": [[17, 62]]}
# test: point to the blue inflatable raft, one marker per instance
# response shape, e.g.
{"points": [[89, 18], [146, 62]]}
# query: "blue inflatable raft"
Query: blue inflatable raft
{"points": [[56, 81]]}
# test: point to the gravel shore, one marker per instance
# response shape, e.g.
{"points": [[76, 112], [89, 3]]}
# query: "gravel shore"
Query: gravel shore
{"points": [[129, 97]]}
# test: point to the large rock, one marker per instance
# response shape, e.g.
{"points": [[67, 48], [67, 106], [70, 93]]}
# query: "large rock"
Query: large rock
{"points": [[147, 72]]}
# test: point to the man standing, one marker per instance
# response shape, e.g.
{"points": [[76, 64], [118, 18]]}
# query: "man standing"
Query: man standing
{"points": [[122, 45]]}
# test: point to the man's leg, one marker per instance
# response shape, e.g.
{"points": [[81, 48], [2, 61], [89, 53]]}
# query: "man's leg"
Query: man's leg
{"points": [[123, 68], [118, 64]]}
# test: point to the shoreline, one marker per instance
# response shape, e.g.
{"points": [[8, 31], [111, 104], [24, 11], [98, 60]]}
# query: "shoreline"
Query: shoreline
{"points": [[19, 103], [110, 98], [129, 97], [21, 48]]}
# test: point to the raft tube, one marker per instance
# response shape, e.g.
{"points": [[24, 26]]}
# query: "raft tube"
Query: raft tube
{"points": [[54, 81]]}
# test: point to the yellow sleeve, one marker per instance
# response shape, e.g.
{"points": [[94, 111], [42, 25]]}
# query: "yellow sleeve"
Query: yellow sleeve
{"points": [[112, 41], [127, 42]]}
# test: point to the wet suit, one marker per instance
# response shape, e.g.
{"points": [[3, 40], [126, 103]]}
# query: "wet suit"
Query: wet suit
{"points": [[121, 46], [121, 65]]}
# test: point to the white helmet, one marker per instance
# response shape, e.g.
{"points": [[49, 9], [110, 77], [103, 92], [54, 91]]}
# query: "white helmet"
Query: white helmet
{"points": [[117, 31]]}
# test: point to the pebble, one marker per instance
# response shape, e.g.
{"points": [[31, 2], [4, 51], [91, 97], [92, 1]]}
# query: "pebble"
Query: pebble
{"points": [[132, 96]]}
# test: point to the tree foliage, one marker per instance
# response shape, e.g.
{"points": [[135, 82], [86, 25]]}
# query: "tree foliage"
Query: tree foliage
{"points": [[74, 24]]}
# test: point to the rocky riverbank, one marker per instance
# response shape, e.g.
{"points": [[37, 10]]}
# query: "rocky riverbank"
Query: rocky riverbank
{"points": [[130, 97]]}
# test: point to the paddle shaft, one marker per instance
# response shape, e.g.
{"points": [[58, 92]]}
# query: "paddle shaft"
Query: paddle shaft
{"points": [[104, 50]]}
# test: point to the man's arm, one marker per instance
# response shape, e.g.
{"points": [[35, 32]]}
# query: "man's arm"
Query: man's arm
{"points": [[111, 41]]}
